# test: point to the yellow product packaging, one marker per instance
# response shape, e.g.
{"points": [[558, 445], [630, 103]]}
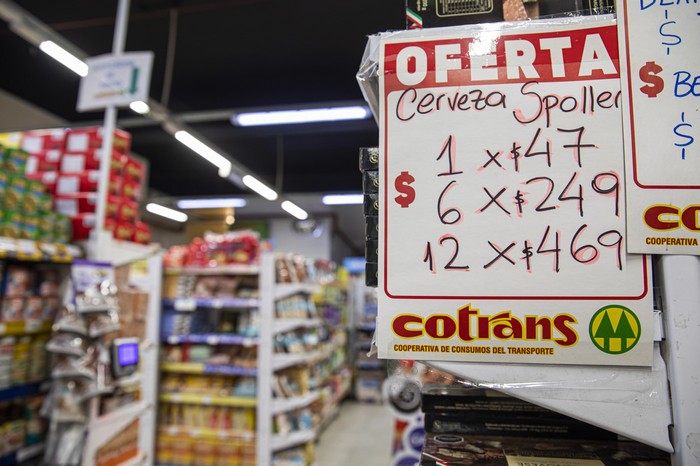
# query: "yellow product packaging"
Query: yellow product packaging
{"points": [[46, 226], [15, 160], [11, 225], [30, 228], [14, 194]]}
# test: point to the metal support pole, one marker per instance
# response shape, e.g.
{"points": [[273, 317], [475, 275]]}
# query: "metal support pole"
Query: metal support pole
{"points": [[110, 124]]}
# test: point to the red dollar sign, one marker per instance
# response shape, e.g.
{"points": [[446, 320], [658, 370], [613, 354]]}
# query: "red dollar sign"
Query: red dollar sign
{"points": [[655, 84], [407, 193]]}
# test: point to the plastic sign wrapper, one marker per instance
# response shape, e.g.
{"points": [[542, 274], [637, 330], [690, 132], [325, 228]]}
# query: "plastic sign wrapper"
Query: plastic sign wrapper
{"points": [[660, 70], [502, 221]]}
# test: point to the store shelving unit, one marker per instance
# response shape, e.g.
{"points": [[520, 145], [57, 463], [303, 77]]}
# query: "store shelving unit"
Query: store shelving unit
{"points": [[29, 254], [210, 308], [101, 429]]}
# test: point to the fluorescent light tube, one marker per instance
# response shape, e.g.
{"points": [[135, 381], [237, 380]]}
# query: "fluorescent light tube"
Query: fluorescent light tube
{"points": [[205, 151], [211, 203], [310, 115], [64, 57], [257, 186], [342, 199], [139, 106], [295, 210], [166, 212]]}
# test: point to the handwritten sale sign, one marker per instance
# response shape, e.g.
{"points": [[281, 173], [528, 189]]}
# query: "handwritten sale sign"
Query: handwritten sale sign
{"points": [[502, 234], [661, 90]]}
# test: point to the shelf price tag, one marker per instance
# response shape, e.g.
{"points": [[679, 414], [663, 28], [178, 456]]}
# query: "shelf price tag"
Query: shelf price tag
{"points": [[660, 70], [502, 221], [185, 304]]}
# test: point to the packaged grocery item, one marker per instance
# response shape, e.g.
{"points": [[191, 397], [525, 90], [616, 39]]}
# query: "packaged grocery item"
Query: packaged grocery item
{"points": [[82, 225], [134, 171], [15, 160], [128, 211], [12, 224], [12, 310], [131, 190], [47, 161], [124, 231], [142, 233], [41, 141], [30, 227], [90, 139], [75, 204], [49, 179], [33, 197], [14, 194], [19, 281]]}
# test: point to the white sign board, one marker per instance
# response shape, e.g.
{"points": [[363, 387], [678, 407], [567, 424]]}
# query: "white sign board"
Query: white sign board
{"points": [[502, 221], [115, 80], [660, 69]]}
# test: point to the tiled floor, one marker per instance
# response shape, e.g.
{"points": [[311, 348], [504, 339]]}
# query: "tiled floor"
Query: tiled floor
{"points": [[361, 434]]}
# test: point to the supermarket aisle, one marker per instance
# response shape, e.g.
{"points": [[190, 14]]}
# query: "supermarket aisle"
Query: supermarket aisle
{"points": [[362, 434]]}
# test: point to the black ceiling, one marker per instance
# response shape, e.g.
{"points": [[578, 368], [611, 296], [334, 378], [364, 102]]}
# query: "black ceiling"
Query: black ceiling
{"points": [[228, 54]]}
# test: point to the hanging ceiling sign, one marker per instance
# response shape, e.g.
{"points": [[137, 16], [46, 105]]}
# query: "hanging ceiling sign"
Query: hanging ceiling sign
{"points": [[502, 218], [660, 69], [115, 80]]}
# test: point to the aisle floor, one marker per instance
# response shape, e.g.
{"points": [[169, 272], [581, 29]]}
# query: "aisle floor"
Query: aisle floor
{"points": [[361, 434]]}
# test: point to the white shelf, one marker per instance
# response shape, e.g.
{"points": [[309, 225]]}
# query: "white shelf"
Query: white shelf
{"points": [[287, 325], [282, 442], [232, 269], [283, 405], [284, 290], [284, 361]]}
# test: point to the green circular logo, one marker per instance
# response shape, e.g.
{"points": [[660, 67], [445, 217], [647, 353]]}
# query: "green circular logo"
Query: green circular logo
{"points": [[615, 329]]}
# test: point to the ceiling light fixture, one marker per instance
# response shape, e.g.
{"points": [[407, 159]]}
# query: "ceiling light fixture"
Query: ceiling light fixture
{"points": [[260, 188], [342, 199], [139, 106], [64, 57], [295, 210], [166, 212], [309, 115], [206, 152], [213, 203]]}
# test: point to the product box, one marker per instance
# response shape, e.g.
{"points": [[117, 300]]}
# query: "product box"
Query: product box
{"points": [[124, 231], [4, 182], [460, 450], [47, 161], [30, 227], [128, 211], [75, 204], [35, 142], [49, 179], [15, 160], [439, 13], [114, 203], [33, 201], [14, 193], [73, 183], [47, 220], [82, 225], [142, 233], [76, 162], [134, 171], [132, 190], [90, 139], [11, 224]]}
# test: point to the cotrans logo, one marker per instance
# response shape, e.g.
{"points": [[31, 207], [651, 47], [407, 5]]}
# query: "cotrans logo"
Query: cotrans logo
{"points": [[469, 325], [669, 217]]}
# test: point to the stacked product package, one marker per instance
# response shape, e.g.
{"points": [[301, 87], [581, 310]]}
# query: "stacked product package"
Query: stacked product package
{"points": [[469, 425], [26, 203], [68, 161], [369, 166]]}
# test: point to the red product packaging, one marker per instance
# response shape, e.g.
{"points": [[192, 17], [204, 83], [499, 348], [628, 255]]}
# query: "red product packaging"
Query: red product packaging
{"points": [[49, 179], [75, 204], [86, 182], [35, 142], [113, 205], [90, 139], [142, 233], [124, 231], [131, 190], [76, 162], [128, 211], [82, 226], [46, 161], [134, 170], [110, 225]]}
